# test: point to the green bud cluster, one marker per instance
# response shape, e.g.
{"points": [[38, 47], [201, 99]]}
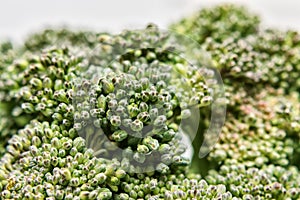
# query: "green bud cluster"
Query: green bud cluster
{"points": [[218, 22], [139, 107], [38, 87], [7, 128], [171, 186], [139, 99], [47, 161], [242, 50], [269, 57], [268, 182], [7, 56], [260, 69], [150, 43], [265, 135], [59, 38]]}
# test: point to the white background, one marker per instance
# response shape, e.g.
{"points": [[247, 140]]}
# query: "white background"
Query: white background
{"points": [[18, 18]]}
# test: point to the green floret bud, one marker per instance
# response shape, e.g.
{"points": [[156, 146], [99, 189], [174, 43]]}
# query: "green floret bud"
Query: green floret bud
{"points": [[143, 149], [136, 125], [151, 143], [104, 194], [139, 157], [119, 135], [28, 107]]}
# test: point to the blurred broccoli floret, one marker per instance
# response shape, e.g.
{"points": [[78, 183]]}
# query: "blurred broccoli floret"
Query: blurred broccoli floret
{"points": [[60, 38], [218, 22], [7, 56]]}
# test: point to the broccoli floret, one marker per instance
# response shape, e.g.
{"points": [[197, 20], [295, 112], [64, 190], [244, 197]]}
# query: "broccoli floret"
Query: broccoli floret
{"points": [[268, 58], [37, 87], [268, 182], [46, 160], [259, 130], [87, 115], [7, 56], [59, 38], [241, 50], [135, 104], [173, 186], [218, 22], [261, 77]]}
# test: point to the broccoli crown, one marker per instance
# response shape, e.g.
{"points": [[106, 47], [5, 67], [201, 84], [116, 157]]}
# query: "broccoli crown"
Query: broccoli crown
{"points": [[86, 115], [260, 70], [82, 137], [267, 133], [218, 22], [269, 57]]}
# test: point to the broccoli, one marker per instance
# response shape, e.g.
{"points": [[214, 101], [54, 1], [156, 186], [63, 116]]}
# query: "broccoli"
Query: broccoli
{"points": [[88, 115], [219, 22], [258, 59], [141, 91], [260, 70]]}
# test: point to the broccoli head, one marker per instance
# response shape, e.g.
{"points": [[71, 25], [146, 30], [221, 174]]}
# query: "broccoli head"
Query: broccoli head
{"points": [[87, 115]]}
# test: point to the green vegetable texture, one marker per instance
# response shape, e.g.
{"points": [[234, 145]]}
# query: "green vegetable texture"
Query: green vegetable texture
{"points": [[86, 115]]}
